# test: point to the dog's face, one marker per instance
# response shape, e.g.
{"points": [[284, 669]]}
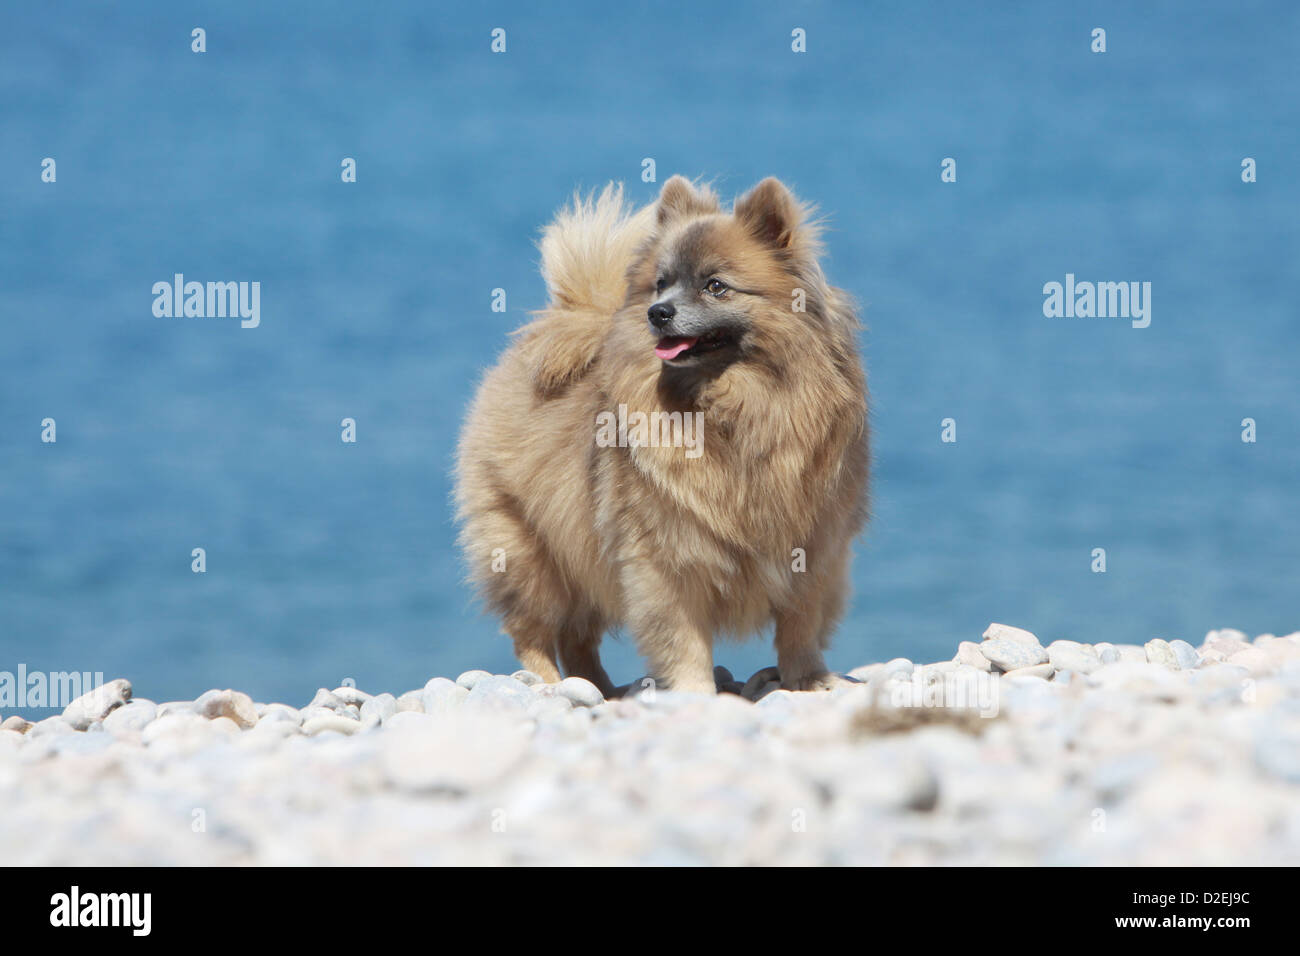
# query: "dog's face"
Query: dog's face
{"points": [[716, 287]]}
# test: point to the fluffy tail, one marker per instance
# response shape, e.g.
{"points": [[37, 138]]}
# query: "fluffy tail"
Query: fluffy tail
{"points": [[586, 252], [587, 249]]}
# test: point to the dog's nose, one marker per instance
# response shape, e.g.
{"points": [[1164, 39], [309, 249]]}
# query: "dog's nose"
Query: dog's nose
{"points": [[661, 313]]}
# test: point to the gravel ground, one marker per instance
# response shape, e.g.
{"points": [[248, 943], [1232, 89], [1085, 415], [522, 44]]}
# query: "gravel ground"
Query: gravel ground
{"points": [[1011, 753]]}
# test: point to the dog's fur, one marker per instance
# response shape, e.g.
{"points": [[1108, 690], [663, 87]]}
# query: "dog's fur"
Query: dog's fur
{"points": [[674, 548]]}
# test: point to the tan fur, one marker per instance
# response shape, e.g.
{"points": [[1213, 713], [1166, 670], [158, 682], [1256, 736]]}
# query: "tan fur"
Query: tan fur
{"points": [[678, 550]]}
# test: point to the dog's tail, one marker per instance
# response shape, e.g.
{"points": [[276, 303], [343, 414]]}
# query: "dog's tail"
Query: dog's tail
{"points": [[587, 249], [586, 253]]}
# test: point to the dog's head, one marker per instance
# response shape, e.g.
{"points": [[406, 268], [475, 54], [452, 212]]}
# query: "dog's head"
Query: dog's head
{"points": [[714, 287]]}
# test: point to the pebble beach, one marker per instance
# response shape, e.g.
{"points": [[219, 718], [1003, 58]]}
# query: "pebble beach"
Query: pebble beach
{"points": [[1016, 751]]}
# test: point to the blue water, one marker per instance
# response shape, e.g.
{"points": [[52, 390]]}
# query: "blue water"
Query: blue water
{"points": [[327, 560]]}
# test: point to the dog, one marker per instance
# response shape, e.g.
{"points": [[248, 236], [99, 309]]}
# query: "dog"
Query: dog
{"points": [[679, 311]]}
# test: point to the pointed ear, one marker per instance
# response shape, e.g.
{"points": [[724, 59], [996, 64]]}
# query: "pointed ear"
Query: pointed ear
{"points": [[769, 212], [679, 198]]}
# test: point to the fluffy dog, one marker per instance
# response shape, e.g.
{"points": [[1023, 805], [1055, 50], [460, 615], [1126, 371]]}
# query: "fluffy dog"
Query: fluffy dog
{"points": [[578, 517]]}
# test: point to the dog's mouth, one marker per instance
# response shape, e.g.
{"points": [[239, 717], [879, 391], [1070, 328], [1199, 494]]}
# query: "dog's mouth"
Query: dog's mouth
{"points": [[674, 348]]}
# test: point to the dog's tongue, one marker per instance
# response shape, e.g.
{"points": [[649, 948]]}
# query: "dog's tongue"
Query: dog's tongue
{"points": [[674, 345]]}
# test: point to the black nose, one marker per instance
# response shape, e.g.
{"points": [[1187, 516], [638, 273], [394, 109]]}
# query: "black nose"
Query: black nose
{"points": [[661, 313]]}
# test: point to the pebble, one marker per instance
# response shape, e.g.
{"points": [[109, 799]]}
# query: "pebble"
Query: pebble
{"points": [[230, 704], [281, 713], [172, 706], [378, 709], [470, 678], [51, 725], [1193, 764], [1037, 671], [15, 723], [1131, 653], [1005, 632], [1070, 656], [1007, 654], [327, 720], [499, 693], [414, 699], [131, 718], [350, 695], [1106, 653], [527, 677], [329, 701], [580, 691], [1252, 658], [968, 652], [98, 703], [441, 696], [1185, 655], [1159, 652]]}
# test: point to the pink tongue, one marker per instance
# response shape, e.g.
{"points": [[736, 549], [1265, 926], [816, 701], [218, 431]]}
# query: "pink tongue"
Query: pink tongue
{"points": [[673, 346]]}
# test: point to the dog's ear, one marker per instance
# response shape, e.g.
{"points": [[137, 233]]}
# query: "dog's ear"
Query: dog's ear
{"points": [[770, 213], [679, 198]]}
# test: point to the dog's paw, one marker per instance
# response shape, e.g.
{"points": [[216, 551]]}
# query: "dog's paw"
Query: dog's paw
{"points": [[823, 680]]}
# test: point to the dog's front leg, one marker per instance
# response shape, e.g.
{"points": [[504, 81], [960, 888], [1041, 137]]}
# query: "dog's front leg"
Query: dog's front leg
{"points": [[676, 643]]}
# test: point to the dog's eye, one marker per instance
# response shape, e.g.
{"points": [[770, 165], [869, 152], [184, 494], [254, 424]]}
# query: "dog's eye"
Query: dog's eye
{"points": [[659, 284], [715, 287]]}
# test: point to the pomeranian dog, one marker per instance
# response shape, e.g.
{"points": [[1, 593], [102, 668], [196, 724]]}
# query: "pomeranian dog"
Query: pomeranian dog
{"points": [[676, 445]]}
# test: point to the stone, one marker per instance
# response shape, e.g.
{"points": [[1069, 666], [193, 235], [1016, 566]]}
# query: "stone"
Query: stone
{"points": [[722, 676], [1106, 653], [865, 673], [1008, 633], [351, 696], [281, 713], [413, 700], [580, 691], [1159, 652], [50, 725], [550, 705], [327, 721], [440, 696], [898, 666], [527, 677], [470, 678], [497, 692], [968, 653], [1226, 642], [271, 728], [378, 709], [232, 704], [1008, 655], [329, 700], [1253, 659], [17, 724], [98, 703], [1038, 671], [131, 718], [1071, 656], [172, 706], [180, 726], [1185, 655]]}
